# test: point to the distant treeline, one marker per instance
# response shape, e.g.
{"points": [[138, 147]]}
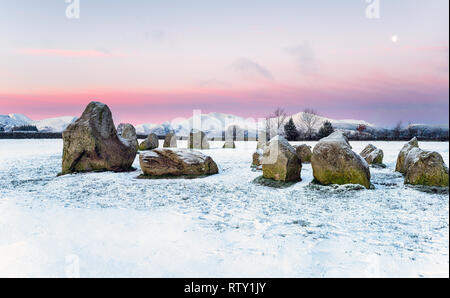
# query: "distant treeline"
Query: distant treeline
{"points": [[30, 135]]}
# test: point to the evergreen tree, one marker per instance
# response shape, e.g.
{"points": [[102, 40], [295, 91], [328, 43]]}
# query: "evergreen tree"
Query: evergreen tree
{"points": [[291, 131], [25, 128], [326, 130]]}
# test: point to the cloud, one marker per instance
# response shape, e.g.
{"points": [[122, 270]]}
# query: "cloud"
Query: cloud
{"points": [[306, 57], [251, 68], [68, 53]]}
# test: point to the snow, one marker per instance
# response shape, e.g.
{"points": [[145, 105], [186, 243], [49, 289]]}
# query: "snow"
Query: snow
{"points": [[150, 154], [220, 226], [190, 156], [58, 124]]}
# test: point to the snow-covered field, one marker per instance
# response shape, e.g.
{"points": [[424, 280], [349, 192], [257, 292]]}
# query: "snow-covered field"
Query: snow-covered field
{"points": [[113, 225]]}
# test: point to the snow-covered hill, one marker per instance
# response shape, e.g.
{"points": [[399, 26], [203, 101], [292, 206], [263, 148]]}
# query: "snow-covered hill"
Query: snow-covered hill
{"points": [[214, 123], [58, 124]]}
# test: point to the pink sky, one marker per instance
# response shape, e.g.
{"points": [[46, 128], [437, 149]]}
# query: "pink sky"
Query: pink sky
{"points": [[151, 64]]}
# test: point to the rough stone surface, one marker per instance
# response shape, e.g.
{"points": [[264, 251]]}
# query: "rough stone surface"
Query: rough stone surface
{"points": [[150, 143], [256, 159], [127, 132], [229, 145], [304, 153], [334, 162], [176, 162], [400, 166], [197, 140], [92, 144], [425, 168], [280, 161], [372, 155], [170, 141]]}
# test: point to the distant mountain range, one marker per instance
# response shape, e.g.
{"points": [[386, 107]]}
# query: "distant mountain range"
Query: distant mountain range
{"points": [[58, 124], [213, 124]]}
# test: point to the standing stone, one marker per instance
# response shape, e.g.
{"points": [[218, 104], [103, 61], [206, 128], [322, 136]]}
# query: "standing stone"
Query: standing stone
{"points": [[170, 141], [150, 143], [426, 168], [127, 132], [400, 166], [198, 140], [176, 162], [334, 162], [91, 143], [280, 161], [372, 155], [304, 153], [422, 167]]}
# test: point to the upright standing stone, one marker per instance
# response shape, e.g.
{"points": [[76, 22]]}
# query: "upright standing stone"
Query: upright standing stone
{"points": [[150, 143], [127, 132], [170, 140], [280, 161], [422, 167], [304, 153], [400, 166], [372, 155], [91, 143], [197, 140], [334, 162]]}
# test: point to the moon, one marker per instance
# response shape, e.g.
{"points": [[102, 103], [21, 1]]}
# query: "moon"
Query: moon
{"points": [[394, 38]]}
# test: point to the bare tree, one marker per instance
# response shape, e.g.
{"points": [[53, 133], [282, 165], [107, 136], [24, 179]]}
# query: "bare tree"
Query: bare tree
{"points": [[309, 121], [280, 117], [268, 127], [274, 122], [397, 130]]}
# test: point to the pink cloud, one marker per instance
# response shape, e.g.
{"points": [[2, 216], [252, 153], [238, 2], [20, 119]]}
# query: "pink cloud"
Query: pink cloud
{"points": [[68, 53], [376, 96]]}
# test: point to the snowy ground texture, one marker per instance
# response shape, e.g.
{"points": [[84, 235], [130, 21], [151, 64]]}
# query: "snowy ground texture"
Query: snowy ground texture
{"points": [[115, 225]]}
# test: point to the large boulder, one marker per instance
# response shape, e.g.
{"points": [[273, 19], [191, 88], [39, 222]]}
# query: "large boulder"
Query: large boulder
{"points": [[91, 143], [426, 168], [400, 166], [176, 162], [150, 143], [229, 145], [372, 155], [334, 162], [127, 133], [197, 140], [280, 161], [304, 153], [170, 141], [422, 167]]}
